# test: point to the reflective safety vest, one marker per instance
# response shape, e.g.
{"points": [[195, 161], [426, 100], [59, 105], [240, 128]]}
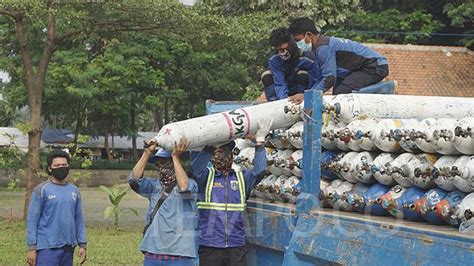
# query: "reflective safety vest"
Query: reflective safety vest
{"points": [[210, 203]]}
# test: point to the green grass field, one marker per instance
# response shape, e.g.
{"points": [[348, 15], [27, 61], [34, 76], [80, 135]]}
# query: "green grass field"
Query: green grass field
{"points": [[105, 245]]}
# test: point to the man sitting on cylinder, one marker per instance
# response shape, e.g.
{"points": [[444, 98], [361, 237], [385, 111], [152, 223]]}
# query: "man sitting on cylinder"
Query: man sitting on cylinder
{"points": [[291, 71]]}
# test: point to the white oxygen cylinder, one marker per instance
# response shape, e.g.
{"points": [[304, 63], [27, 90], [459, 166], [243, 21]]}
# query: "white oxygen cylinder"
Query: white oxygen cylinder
{"points": [[463, 174], [222, 127], [394, 168], [348, 107], [328, 192], [402, 135], [343, 166], [360, 167], [422, 135], [416, 168], [442, 172], [379, 166], [381, 135], [295, 135], [357, 134], [443, 136], [464, 136], [295, 163], [328, 135]]}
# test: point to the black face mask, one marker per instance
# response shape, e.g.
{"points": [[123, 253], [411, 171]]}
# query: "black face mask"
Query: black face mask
{"points": [[294, 51], [60, 173]]}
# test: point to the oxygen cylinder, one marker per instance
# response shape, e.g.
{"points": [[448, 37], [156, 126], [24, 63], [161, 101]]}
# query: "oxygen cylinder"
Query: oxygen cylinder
{"points": [[370, 197], [328, 159], [447, 206], [245, 158], [406, 204], [381, 135], [328, 192], [340, 144], [289, 190], [222, 127], [295, 135], [379, 165], [464, 213], [462, 173], [282, 162], [394, 169], [328, 135], [323, 184], [422, 135], [441, 172], [425, 204], [348, 107], [339, 197], [241, 144], [295, 163], [388, 201], [344, 165], [273, 162], [356, 192], [357, 135], [273, 191], [360, 167], [443, 135], [402, 135], [262, 187], [464, 136], [418, 170]]}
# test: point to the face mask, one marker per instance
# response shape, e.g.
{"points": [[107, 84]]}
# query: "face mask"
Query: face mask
{"points": [[60, 173], [223, 161], [303, 45], [166, 175], [285, 55]]}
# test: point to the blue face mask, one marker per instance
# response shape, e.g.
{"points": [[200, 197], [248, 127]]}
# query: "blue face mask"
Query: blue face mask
{"points": [[303, 45]]}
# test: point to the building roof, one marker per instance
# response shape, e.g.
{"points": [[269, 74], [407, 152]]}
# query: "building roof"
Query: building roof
{"points": [[56, 136], [430, 70], [11, 135]]}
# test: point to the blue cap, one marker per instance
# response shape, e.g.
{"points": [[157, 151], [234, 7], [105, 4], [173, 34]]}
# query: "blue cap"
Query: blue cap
{"points": [[160, 153]]}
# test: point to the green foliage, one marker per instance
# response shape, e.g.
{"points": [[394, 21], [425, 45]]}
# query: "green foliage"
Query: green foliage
{"points": [[116, 195], [462, 16], [418, 23]]}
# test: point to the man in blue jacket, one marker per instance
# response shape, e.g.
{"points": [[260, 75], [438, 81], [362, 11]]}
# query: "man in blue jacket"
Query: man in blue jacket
{"points": [[55, 224], [344, 65], [170, 236], [291, 71], [223, 195]]}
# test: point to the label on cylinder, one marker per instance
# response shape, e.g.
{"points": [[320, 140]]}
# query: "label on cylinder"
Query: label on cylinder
{"points": [[238, 122]]}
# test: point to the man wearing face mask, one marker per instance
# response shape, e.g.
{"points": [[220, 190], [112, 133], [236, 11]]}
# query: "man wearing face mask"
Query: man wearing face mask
{"points": [[169, 237], [223, 195], [291, 71], [55, 223], [344, 65]]}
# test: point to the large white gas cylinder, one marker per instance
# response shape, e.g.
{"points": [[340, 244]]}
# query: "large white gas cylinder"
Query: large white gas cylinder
{"points": [[463, 174], [464, 136], [245, 158], [340, 202], [357, 134], [442, 172], [295, 163], [419, 164], [381, 135], [327, 193], [348, 107], [328, 135], [394, 169], [295, 135], [465, 213], [422, 135], [443, 136], [344, 165], [379, 166], [402, 135]]}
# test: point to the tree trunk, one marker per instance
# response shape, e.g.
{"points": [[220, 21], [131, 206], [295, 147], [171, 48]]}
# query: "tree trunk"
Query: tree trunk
{"points": [[158, 119], [133, 127], [106, 141]]}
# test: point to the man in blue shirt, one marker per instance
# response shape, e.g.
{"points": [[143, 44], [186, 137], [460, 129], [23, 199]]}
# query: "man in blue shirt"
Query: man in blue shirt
{"points": [[223, 195], [55, 224], [344, 65], [291, 71], [170, 237]]}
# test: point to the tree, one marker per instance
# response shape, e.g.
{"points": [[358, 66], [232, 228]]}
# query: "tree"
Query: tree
{"points": [[36, 29]]}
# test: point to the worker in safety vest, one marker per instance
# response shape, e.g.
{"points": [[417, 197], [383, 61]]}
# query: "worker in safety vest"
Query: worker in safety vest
{"points": [[222, 200]]}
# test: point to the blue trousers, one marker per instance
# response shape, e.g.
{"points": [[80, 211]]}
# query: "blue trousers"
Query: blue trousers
{"points": [[54, 257], [179, 262]]}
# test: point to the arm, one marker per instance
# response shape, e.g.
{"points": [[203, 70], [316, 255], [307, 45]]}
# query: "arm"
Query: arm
{"points": [[80, 229], [279, 82], [34, 213], [143, 186], [327, 62], [181, 177]]}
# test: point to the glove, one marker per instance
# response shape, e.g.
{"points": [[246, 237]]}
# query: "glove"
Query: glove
{"points": [[263, 129]]}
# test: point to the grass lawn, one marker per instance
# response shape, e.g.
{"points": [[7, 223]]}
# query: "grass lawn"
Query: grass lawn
{"points": [[106, 246]]}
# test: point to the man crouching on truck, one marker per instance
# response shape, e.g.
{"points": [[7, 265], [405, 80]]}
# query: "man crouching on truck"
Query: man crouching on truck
{"points": [[169, 237], [223, 195]]}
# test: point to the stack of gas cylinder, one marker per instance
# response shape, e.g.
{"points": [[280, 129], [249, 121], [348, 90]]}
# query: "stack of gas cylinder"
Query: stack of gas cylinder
{"points": [[419, 170], [284, 157]]}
